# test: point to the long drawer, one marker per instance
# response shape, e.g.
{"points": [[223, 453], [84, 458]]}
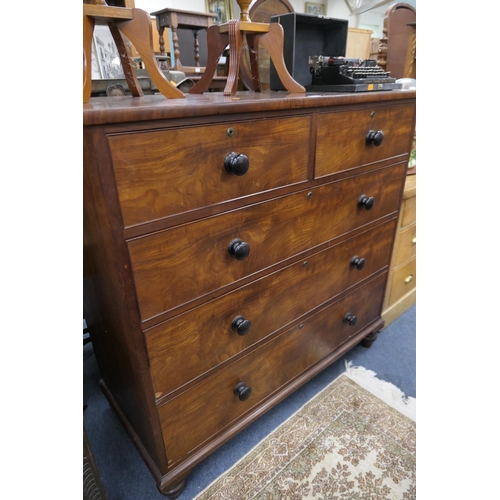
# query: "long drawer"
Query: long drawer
{"points": [[208, 408], [342, 144], [166, 172], [193, 342], [178, 265]]}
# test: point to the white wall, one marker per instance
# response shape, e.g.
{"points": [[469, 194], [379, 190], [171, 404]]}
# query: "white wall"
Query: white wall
{"points": [[334, 8]]}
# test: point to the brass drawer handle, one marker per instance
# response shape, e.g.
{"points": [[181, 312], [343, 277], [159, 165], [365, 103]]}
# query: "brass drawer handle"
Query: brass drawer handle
{"points": [[414, 241], [409, 279]]}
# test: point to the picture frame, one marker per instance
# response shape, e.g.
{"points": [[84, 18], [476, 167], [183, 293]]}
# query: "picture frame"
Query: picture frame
{"points": [[106, 64], [316, 9], [223, 9]]}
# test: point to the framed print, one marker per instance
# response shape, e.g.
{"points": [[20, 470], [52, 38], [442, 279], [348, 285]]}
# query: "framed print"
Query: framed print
{"points": [[223, 9], [316, 9], [105, 54]]}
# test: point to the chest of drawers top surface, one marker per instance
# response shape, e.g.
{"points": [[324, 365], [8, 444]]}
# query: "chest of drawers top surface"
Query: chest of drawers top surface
{"points": [[103, 110]]}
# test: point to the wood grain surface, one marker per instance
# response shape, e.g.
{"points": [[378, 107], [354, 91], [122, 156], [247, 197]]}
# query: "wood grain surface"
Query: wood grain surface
{"points": [[211, 406], [192, 343], [157, 177], [175, 266]]}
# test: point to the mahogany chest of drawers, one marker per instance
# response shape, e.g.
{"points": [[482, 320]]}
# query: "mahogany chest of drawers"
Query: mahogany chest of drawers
{"points": [[234, 247]]}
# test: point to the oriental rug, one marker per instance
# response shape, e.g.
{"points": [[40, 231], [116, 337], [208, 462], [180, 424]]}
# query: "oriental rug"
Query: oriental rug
{"points": [[346, 443]]}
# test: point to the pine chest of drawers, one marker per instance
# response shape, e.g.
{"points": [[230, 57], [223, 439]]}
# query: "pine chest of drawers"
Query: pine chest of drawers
{"points": [[234, 247]]}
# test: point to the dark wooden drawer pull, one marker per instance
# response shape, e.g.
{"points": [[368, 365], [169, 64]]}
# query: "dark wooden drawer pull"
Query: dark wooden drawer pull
{"points": [[236, 164], [358, 262], [238, 249], [366, 202], [241, 325], [242, 391], [374, 138], [351, 319]]}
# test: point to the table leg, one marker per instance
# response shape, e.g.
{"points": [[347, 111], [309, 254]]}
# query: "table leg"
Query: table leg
{"points": [[273, 43], [235, 44], [135, 30], [216, 43]]}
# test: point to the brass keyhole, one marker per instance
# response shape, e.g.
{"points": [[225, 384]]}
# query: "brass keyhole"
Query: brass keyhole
{"points": [[230, 132]]}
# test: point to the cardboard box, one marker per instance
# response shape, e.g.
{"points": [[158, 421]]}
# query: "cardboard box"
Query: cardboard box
{"points": [[307, 35]]}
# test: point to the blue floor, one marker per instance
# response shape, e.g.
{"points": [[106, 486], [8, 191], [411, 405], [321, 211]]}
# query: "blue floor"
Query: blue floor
{"points": [[125, 476]]}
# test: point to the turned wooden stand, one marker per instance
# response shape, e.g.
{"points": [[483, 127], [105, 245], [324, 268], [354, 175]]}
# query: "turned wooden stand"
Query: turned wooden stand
{"points": [[135, 24], [269, 35]]}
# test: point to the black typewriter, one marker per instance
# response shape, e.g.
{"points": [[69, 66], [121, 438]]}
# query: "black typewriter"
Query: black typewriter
{"points": [[341, 74]]}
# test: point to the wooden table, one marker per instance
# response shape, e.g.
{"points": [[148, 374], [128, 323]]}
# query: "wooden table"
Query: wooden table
{"points": [[182, 19]]}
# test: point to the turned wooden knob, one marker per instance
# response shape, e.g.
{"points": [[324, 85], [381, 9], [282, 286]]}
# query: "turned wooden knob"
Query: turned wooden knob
{"points": [[238, 249], [374, 138], [358, 262], [242, 391], [351, 319], [241, 325], [236, 163], [366, 202]]}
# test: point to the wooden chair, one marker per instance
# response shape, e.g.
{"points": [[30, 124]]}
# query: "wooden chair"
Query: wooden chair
{"points": [[396, 36], [135, 24], [269, 35]]}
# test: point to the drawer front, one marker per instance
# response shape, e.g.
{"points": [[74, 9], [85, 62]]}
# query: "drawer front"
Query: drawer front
{"points": [[192, 343], [208, 408], [166, 172], [193, 259], [409, 211], [407, 245], [341, 139], [404, 280]]}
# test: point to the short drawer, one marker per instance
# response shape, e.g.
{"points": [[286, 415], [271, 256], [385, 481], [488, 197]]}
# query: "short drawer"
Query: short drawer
{"points": [[178, 265], [409, 211], [404, 280], [167, 172], [205, 410], [192, 343], [406, 245], [341, 142]]}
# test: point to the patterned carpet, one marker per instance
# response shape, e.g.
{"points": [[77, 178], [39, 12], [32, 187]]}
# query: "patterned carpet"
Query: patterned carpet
{"points": [[344, 444]]}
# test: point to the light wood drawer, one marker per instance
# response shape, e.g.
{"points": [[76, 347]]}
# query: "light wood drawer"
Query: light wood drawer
{"points": [[341, 138], [404, 280], [192, 343], [406, 245], [208, 408], [167, 172], [409, 211], [178, 265]]}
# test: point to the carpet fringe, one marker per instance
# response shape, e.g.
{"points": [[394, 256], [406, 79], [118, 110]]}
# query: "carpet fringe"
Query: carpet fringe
{"points": [[383, 390]]}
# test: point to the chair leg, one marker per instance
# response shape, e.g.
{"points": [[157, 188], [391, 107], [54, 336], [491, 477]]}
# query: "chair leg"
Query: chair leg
{"points": [[135, 30], [88, 32], [133, 84], [273, 43], [216, 43]]}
